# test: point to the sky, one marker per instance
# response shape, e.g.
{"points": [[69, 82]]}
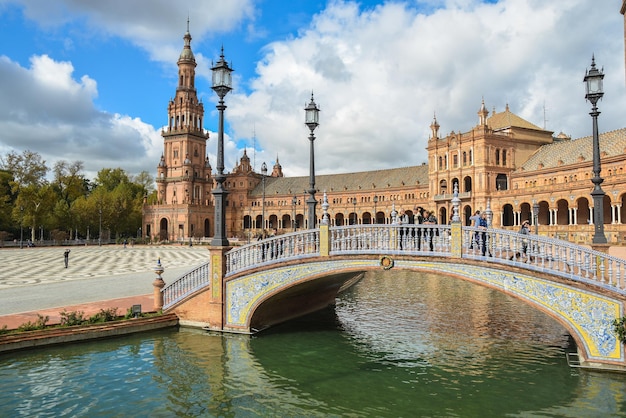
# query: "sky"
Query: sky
{"points": [[90, 80]]}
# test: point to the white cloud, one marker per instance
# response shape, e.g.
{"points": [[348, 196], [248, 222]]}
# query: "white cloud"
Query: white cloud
{"points": [[52, 113], [379, 75]]}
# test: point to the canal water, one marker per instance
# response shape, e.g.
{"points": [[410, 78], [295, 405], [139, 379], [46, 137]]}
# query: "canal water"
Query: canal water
{"points": [[398, 344]]}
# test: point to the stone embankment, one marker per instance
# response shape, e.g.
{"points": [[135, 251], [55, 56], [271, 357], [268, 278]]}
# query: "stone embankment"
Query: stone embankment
{"points": [[64, 335]]}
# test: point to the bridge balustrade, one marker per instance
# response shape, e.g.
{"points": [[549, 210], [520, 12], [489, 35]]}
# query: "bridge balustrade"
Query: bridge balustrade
{"points": [[532, 252], [547, 255], [390, 239], [185, 285], [295, 245]]}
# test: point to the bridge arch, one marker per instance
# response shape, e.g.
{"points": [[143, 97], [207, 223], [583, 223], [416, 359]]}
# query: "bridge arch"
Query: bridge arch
{"points": [[242, 289], [260, 299]]}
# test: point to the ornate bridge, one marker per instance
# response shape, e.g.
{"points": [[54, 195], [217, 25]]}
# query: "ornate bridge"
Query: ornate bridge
{"points": [[248, 288]]}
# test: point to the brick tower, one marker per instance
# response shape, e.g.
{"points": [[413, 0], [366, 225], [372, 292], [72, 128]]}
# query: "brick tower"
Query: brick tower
{"points": [[184, 204]]}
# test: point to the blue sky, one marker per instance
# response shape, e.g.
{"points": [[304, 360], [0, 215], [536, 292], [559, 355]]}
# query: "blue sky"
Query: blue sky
{"points": [[90, 81]]}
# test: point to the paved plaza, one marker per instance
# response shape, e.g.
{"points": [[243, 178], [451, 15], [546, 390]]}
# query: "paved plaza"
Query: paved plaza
{"points": [[36, 278]]}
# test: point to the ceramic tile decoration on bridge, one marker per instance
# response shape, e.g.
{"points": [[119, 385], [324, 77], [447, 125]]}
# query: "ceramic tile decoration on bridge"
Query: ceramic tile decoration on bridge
{"points": [[257, 285]]}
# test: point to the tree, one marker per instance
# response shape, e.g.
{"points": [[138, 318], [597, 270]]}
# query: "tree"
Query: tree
{"points": [[69, 184], [146, 181], [6, 199], [28, 182], [110, 178], [28, 169]]}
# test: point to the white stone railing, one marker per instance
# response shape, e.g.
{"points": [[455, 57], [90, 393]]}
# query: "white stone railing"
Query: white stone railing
{"points": [[186, 284], [390, 239], [545, 255], [295, 245], [548, 255]]}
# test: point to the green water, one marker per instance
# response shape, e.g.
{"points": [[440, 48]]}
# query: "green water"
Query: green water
{"points": [[396, 345]]}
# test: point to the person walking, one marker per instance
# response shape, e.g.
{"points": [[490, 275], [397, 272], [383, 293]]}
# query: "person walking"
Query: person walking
{"points": [[66, 257], [474, 219], [524, 230], [482, 238], [419, 219], [431, 219]]}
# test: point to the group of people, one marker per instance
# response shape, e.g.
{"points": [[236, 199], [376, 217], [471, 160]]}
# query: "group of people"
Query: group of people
{"points": [[479, 219], [480, 237], [422, 216]]}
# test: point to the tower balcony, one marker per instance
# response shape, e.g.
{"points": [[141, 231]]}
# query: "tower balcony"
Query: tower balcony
{"points": [[448, 196]]}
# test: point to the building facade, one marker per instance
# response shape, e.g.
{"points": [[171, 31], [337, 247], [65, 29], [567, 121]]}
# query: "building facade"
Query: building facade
{"points": [[505, 163]]}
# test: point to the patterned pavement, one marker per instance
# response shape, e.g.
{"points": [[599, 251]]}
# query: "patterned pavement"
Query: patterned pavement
{"points": [[35, 280], [29, 266]]}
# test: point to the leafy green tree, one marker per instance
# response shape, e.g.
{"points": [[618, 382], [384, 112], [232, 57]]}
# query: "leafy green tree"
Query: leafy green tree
{"points": [[28, 169], [110, 178], [69, 185], [6, 199], [28, 182], [146, 181]]}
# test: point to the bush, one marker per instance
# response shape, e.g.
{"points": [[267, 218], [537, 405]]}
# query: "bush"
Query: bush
{"points": [[40, 323], [4, 330], [72, 318], [619, 326], [105, 315]]}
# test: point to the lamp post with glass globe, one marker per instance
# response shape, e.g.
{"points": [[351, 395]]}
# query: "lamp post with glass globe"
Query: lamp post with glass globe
{"points": [[311, 119], [593, 80], [222, 84]]}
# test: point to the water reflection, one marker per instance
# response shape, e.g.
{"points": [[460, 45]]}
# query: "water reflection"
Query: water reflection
{"points": [[434, 345], [397, 344]]}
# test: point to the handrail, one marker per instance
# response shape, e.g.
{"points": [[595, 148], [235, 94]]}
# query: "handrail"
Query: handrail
{"points": [[390, 238], [532, 252], [548, 255], [291, 246], [186, 284]]}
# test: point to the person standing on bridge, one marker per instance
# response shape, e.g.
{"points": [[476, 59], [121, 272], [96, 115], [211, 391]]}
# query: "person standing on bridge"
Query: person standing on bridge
{"points": [[524, 230], [482, 238], [431, 219], [403, 219], [419, 219], [474, 219]]}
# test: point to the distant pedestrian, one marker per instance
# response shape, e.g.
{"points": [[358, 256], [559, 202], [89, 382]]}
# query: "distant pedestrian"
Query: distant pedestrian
{"points": [[482, 238], [66, 257], [431, 219], [474, 220]]}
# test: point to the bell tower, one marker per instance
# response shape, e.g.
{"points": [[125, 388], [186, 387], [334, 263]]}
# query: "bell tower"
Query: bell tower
{"points": [[184, 180]]}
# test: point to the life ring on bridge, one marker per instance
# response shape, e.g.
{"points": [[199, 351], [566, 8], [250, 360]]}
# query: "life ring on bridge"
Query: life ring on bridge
{"points": [[386, 262]]}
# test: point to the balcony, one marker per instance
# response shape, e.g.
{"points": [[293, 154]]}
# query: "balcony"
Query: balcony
{"points": [[449, 196]]}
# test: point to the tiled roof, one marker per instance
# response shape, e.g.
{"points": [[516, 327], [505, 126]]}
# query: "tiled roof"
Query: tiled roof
{"points": [[378, 180], [507, 119], [570, 152]]}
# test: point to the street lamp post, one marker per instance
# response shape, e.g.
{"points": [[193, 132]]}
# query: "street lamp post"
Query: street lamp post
{"points": [[354, 203], [536, 216], [294, 201], [375, 201], [264, 172], [222, 84], [593, 80], [311, 119]]}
